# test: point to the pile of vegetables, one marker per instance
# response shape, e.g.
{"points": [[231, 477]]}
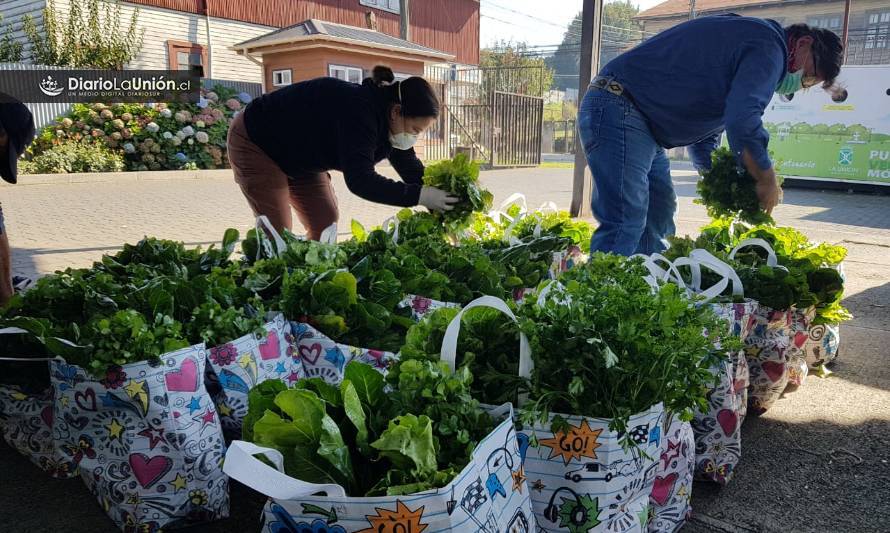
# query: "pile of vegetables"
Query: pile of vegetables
{"points": [[808, 274], [727, 189], [370, 441], [603, 345]]}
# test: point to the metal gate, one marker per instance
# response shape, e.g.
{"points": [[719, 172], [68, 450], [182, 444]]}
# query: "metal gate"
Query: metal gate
{"points": [[494, 114]]}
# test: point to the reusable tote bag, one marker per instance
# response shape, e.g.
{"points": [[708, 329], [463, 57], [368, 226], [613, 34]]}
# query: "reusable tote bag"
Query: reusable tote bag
{"points": [[147, 440], [235, 367], [718, 439], [490, 494], [582, 479], [768, 347], [822, 345], [798, 366], [672, 488], [421, 306], [26, 422], [323, 358]]}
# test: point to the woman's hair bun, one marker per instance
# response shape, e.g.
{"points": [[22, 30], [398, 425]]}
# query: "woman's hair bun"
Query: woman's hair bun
{"points": [[382, 75]]}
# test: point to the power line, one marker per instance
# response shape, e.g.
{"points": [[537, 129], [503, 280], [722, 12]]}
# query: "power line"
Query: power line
{"points": [[511, 10]]}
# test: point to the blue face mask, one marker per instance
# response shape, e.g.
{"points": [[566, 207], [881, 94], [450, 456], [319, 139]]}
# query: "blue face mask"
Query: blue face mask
{"points": [[791, 83]]}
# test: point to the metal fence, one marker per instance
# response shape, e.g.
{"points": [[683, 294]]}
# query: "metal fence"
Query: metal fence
{"points": [[559, 137], [47, 113], [494, 114]]}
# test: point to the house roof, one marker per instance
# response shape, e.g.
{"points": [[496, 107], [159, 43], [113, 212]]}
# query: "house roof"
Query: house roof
{"points": [[314, 29], [672, 8]]}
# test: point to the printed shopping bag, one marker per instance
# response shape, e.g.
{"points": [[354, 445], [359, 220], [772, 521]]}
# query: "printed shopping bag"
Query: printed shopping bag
{"points": [[672, 488], [147, 439], [235, 367], [322, 357], [565, 260], [583, 479], [490, 495], [822, 344], [421, 306], [717, 430], [767, 349], [798, 367], [26, 422]]}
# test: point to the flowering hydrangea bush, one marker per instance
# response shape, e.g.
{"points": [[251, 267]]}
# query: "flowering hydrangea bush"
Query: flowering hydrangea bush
{"points": [[154, 136]]}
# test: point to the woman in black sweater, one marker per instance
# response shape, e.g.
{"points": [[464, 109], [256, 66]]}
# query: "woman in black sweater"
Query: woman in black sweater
{"points": [[284, 144]]}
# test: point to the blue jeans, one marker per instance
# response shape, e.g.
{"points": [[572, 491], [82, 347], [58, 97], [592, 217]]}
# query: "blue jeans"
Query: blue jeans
{"points": [[633, 197]]}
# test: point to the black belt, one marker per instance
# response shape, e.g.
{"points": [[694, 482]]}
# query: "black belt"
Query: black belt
{"points": [[611, 85]]}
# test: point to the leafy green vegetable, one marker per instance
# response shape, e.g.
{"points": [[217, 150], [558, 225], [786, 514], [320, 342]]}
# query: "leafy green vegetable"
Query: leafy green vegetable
{"points": [[729, 190], [606, 346], [460, 177], [365, 439]]}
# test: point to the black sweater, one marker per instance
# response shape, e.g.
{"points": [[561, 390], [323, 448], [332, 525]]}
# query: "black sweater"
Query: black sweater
{"points": [[329, 124]]}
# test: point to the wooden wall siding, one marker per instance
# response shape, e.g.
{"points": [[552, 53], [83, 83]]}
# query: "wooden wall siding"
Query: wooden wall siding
{"points": [[162, 25], [311, 63], [448, 25], [14, 12]]}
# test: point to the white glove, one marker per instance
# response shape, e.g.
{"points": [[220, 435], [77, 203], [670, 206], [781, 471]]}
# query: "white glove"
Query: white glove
{"points": [[436, 199]]}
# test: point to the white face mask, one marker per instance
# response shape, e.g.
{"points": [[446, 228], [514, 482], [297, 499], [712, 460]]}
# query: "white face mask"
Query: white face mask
{"points": [[402, 141]]}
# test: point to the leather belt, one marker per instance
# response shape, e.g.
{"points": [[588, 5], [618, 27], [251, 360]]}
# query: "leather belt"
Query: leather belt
{"points": [[611, 85]]}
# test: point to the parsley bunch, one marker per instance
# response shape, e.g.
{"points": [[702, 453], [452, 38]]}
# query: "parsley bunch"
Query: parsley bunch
{"points": [[727, 189]]}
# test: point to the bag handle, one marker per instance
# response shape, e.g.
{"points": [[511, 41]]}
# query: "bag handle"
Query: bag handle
{"points": [[329, 235], [516, 198], [241, 465], [705, 258], [264, 227], [771, 259], [659, 275], [449, 341], [393, 222]]}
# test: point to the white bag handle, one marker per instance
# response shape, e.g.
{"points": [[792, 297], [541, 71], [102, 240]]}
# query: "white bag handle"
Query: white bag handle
{"points": [[241, 465], [658, 275], [393, 222], [516, 198], [707, 259], [548, 206], [263, 226], [771, 259], [449, 341], [329, 235]]}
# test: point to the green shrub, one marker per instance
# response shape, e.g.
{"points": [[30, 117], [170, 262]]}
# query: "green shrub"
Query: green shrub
{"points": [[72, 156]]}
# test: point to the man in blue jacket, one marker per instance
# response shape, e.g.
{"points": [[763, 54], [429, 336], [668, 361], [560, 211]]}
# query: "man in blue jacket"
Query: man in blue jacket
{"points": [[684, 87]]}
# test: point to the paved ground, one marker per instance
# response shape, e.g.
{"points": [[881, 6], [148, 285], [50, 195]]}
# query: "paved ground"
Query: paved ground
{"points": [[817, 462]]}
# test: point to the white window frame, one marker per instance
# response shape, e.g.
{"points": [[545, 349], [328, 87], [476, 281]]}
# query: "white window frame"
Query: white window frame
{"points": [[384, 5], [286, 77], [349, 71]]}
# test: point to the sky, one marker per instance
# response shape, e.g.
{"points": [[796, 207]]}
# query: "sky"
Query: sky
{"points": [[537, 22]]}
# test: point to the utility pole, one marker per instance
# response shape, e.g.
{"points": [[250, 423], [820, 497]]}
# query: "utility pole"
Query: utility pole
{"points": [[691, 9], [846, 36], [404, 20], [591, 25], [207, 72]]}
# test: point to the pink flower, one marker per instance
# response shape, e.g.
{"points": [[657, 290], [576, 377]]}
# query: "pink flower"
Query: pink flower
{"points": [[126, 133], [233, 104], [223, 355], [217, 114], [96, 133], [114, 377]]}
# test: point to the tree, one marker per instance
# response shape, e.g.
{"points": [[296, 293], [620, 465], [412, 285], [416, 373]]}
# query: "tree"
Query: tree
{"points": [[87, 38], [11, 50], [522, 73], [620, 32]]}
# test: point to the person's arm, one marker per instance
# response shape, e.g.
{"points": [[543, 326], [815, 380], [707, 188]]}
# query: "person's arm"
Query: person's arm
{"points": [[5, 264], [408, 166], [358, 141], [757, 73], [700, 152]]}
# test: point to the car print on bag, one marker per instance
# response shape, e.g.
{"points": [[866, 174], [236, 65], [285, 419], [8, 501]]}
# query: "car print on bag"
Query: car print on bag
{"points": [[601, 472]]}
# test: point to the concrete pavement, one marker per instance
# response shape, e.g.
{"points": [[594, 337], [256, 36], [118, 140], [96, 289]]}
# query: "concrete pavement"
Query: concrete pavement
{"points": [[818, 461]]}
